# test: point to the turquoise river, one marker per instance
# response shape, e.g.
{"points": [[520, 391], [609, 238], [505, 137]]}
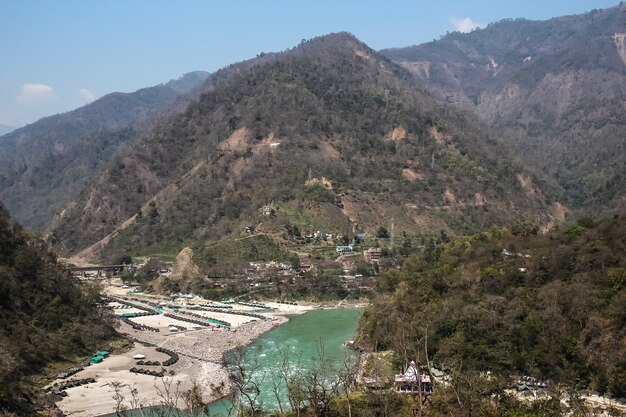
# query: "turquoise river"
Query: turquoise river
{"points": [[301, 335]]}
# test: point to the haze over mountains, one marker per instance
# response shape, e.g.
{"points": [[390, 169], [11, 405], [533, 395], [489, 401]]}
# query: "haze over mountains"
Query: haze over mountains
{"points": [[43, 164], [517, 121]]}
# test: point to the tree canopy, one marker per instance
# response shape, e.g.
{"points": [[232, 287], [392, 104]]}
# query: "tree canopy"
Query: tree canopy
{"points": [[552, 306], [45, 315]]}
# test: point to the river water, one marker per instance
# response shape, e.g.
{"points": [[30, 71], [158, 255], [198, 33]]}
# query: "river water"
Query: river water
{"points": [[301, 335]]}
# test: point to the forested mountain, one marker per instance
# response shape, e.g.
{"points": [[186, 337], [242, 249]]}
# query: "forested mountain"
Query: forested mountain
{"points": [[45, 316], [43, 164], [327, 136], [554, 90], [513, 302]]}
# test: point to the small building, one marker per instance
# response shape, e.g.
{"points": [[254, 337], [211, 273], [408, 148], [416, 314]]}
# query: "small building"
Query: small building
{"points": [[439, 375], [411, 382], [96, 359], [373, 255], [344, 249]]}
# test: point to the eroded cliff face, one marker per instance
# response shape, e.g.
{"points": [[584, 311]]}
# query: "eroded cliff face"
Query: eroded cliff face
{"points": [[554, 91]]}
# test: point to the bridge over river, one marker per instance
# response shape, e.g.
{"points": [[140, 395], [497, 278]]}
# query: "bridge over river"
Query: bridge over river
{"points": [[100, 271]]}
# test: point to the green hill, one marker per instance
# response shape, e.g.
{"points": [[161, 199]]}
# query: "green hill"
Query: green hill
{"points": [[45, 316], [330, 134], [514, 302]]}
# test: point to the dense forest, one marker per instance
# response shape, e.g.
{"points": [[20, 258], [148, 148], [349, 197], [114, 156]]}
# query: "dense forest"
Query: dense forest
{"points": [[513, 302], [45, 317]]}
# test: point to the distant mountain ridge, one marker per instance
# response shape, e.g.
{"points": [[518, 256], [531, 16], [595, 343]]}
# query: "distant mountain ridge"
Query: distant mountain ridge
{"points": [[44, 163], [37, 180], [554, 90], [328, 136]]}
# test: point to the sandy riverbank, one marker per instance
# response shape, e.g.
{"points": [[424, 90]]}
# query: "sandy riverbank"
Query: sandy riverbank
{"points": [[98, 398], [201, 353]]}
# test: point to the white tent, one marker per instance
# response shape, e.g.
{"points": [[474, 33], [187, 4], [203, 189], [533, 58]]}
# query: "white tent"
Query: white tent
{"points": [[411, 372]]}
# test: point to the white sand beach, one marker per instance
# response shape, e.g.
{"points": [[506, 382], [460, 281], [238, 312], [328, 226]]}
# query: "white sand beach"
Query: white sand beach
{"points": [[98, 398], [200, 350]]}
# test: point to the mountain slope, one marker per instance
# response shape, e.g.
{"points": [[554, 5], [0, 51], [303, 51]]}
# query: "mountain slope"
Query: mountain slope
{"points": [[514, 302], [46, 316], [43, 164], [555, 90], [329, 135]]}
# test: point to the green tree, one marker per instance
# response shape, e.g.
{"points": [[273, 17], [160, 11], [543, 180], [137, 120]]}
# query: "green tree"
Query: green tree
{"points": [[382, 233]]}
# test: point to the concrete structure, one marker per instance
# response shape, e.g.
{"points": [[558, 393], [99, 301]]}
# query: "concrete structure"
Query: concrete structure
{"points": [[411, 382], [373, 255], [100, 271], [344, 249]]}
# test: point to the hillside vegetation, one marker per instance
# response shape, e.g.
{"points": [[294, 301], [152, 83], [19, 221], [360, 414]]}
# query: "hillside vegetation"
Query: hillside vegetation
{"points": [[330, 135], [554, 91], [43, 164], [45, 316], [514, 302]]}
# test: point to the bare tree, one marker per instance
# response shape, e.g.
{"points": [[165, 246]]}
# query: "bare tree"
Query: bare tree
{"points": [[121, 409], [169, 395], [247, 380], [296, 393], [280, 377], [193, 402], [170, 399], [135, 404], [320, 383], [118, 397], [347, 377]]}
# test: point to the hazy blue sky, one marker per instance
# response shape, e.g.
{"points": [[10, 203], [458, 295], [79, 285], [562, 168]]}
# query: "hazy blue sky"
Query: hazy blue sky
{"points": [[59, 55]]}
